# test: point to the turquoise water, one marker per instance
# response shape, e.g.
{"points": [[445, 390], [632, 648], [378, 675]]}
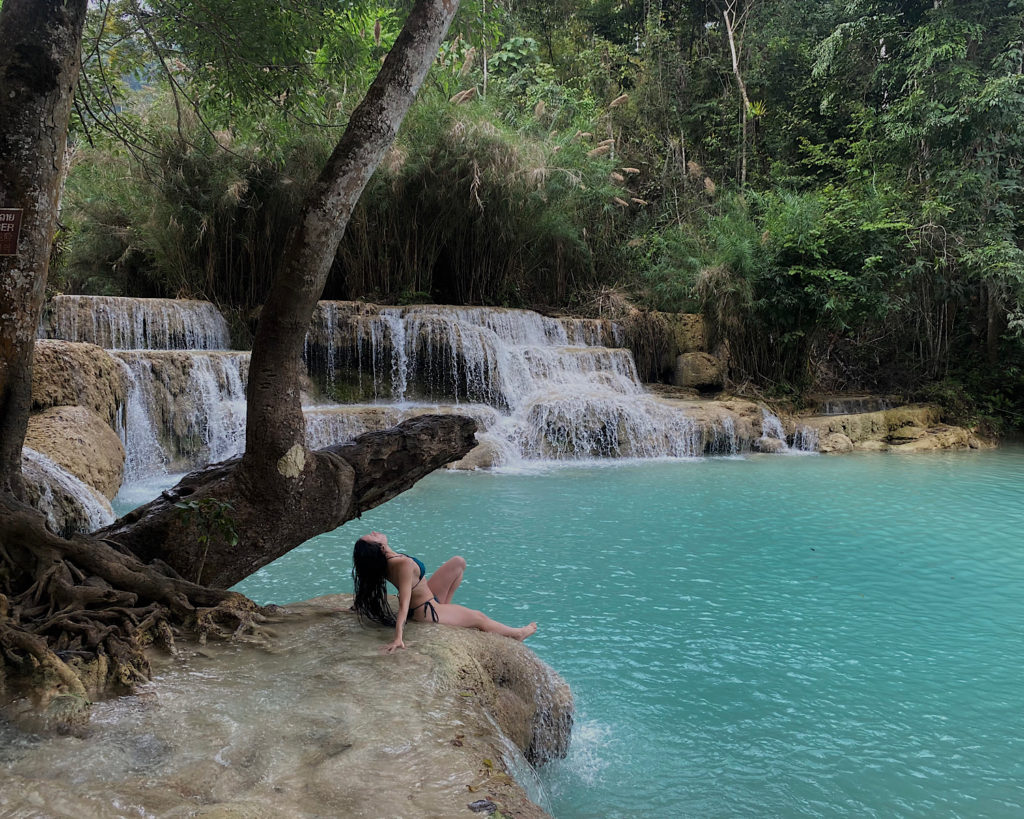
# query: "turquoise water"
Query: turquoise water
{"points": [[763, 637]]}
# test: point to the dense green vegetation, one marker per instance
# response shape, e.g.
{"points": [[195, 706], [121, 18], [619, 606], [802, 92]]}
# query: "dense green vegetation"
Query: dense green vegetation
{"points": [[841, 200]]}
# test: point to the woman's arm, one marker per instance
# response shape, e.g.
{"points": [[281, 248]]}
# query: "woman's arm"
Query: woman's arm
{"points": [[405, 573]]}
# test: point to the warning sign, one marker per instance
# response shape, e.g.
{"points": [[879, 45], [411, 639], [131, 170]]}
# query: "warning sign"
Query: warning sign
{"points": [[10, 229]]}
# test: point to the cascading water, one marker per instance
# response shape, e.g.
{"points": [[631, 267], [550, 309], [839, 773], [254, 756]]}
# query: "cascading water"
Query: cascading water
{"points": [[538, 387], [57, 481], [771, 427], [184, 409], [117, 323], [144, 456], [561, 392], [805, 439], [185, 395]]}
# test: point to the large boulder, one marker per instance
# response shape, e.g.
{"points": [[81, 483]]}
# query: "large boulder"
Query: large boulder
{"points": [[687, 331], [79, 440], [834, 443], [701, 371], [66, 373], [314, 721]]}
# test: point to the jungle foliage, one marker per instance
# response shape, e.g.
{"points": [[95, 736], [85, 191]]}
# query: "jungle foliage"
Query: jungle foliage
{"points": [[836, 184]]}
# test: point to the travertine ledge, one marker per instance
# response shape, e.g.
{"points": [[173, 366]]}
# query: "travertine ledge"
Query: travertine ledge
{"points": [[311, 721]]}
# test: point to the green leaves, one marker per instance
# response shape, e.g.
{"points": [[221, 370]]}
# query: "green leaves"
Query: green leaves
{"points": [[211, 519]]}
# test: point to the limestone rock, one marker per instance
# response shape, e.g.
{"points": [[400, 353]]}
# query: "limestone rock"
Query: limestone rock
{"points": [[315, 721], [700, 370], [69, 505], [688, 331], [910, 428], [66, 373], [769, 445], [938, 437], [906, 434], [77, 439], [835, 442], [531, 704], [483, 456], [879, 426]]}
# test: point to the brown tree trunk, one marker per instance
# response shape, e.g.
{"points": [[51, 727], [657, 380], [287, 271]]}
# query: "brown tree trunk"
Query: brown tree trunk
{"points": [[340, 483], [40, 41], [275, 428]]}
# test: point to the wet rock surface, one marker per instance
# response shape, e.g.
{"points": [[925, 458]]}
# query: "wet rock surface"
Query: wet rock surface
{"points": [[77, 439], [66, 373], [312, 722], [68, 504]]}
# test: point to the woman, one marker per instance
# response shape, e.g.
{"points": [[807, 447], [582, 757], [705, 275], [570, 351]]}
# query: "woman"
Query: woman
{"points": [[420, 599]]}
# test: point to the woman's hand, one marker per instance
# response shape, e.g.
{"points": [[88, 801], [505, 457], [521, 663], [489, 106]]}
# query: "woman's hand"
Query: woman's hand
{"points": [[392, 647]]}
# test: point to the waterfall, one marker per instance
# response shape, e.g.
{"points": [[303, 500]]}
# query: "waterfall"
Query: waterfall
{"points": [[855, 404], [725, 440], [184, 409], [68, 503], [560, 392], [771, 426], [540, 388], [144, 457], [805, 439], [118, 323], [185, 401]]}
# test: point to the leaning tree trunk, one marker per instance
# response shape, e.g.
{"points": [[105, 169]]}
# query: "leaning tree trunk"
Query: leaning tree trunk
{"points": [[339, 483], [82, 609], [281, 492], [40, 41]]}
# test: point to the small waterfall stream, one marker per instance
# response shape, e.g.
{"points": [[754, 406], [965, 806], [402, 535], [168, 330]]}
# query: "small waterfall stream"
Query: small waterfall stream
{"points": [[119, 323], [184, 408], [56, 482], [559, 390]]}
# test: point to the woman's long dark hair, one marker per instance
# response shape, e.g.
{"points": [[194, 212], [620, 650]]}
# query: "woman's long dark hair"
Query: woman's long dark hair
{"points": [[370, 574]]}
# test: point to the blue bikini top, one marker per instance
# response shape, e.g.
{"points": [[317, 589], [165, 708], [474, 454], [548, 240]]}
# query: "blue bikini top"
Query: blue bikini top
{"points": [[417, 561]]}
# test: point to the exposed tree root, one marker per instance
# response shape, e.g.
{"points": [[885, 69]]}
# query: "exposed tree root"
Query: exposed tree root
{"points": [[77, 615]]}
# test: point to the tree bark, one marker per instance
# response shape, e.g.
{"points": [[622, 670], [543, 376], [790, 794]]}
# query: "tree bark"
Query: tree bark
{"points": [[275, 427], [40, 41], [344, 481], [729, 16]]}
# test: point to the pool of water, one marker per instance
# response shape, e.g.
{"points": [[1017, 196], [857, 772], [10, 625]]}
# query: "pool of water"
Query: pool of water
{"points": [[763, 637]]}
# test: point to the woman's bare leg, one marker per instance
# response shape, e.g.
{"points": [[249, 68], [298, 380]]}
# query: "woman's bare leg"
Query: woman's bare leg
{"points": [[447, 578], [454, 615]]}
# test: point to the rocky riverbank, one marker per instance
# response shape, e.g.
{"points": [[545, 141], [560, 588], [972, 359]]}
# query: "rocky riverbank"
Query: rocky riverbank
{"points": [[311, 721]]}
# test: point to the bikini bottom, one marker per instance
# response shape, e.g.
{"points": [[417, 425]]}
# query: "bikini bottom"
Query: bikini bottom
{"points": [[427, 606]]}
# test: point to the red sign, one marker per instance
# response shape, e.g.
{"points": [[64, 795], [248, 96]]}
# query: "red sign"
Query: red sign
{"points": [[10, 228]]}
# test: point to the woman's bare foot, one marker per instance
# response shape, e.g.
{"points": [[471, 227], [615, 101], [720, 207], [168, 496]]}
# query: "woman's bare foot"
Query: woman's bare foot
{"points": [[524, 632]]}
